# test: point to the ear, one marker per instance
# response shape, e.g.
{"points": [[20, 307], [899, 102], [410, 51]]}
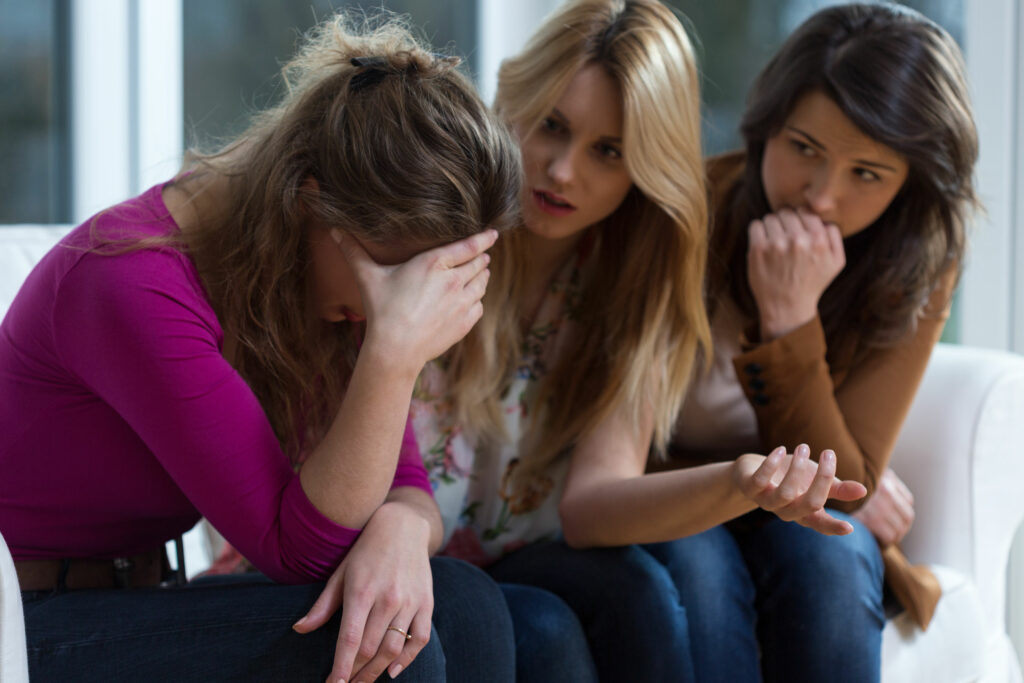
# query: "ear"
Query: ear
{"points": [[309, 186]]}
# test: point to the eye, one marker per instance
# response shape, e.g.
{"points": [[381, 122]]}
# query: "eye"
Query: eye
{"points": [[610, 152], [551, 125], [802, 148], [866, 175]]}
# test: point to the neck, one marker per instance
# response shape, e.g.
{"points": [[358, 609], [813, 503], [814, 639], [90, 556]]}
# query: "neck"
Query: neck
{"points": [[545, 257]]}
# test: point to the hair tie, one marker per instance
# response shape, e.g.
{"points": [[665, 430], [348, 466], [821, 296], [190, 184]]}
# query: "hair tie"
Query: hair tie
{"points": [[374, 72], [374, 62]]}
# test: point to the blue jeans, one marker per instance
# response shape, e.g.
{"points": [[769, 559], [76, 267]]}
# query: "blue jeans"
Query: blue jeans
{"points": [[625, 600], [778, 600], [550, 642], [240, 629]]}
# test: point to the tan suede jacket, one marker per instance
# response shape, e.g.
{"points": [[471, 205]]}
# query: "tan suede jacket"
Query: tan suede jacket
{"points": [[857, 413]]}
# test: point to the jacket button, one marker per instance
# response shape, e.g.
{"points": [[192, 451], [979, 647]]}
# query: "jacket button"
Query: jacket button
{"points": [[760, 399], [753, 368], [757, 384]]}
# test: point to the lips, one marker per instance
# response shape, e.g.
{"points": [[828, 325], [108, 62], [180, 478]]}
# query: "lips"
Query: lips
{"points": [[551, 203], [350, 316]]}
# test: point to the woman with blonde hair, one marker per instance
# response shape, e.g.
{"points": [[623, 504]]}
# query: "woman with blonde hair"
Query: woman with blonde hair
{"points": [[540, 423], [176, 355], [839, 234]]}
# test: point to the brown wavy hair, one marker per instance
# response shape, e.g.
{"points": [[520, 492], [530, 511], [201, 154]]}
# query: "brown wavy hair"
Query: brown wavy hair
{"points": [[402, 149], [900, 79], [642, 313]]}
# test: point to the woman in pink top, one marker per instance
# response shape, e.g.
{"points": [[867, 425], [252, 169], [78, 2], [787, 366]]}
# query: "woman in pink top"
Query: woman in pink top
{"points": [[178, 354]]}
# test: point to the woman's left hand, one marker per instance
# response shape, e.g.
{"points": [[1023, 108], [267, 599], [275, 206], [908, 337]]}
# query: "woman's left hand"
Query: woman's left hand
{"points": [[889, 512], [386, 588], [796, 488]]}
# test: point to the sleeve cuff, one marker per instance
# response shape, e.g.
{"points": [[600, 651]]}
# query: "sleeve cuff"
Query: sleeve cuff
{"points": [[770, 372]]}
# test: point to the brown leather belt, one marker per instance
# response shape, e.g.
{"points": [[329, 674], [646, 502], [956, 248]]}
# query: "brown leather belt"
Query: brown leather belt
{"points": [[144, 569]]}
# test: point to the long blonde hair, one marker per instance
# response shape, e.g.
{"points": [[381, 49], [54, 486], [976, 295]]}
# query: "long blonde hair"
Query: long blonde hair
{"points": [[402, 149], [642, 314]]}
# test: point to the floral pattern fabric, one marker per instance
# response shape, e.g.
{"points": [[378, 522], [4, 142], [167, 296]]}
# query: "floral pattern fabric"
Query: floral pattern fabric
{"points": [[483, 518]]}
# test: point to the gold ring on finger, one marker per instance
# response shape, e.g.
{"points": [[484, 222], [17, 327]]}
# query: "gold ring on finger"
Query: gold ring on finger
{"points": [[407, 636]]}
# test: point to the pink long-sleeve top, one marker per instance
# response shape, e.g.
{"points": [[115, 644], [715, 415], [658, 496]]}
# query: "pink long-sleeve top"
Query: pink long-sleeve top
{"points": [[121, 423]]}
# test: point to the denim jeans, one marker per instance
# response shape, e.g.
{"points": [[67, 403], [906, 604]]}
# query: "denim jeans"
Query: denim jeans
{"points": [[550, 642], [778, 600], [240, 629], [625, 600]]}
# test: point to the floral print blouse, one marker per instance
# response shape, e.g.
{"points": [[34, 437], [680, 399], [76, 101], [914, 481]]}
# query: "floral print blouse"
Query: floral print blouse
{"points": [[482, 518]]}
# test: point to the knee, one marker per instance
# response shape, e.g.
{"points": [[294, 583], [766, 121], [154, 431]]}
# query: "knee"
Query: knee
{"points": [[541, 619], [824, 573], [460, 583], [548, 634], [853, 559], [706, 565]]}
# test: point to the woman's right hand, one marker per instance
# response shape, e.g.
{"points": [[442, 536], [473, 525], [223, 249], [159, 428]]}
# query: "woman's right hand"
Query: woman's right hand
{"points": [[417, 309], [792, 258], [385, 585], [795, 487]]}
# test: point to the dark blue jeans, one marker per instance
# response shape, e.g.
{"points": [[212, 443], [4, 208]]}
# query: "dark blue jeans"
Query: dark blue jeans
{"points": [[241, 630], [550, 642], [778, 600], [626, 601]]}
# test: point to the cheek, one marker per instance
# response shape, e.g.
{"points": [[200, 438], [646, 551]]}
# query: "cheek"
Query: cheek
{"points": [[611, 194], [531, 154], [865, 212], [776, 177]]}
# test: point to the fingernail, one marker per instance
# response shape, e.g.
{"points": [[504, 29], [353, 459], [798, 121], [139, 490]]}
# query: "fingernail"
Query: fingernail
{"points": [[830, 455], [487, 258], [802, 449], [394, 670], [336, 236], [298, 623]]}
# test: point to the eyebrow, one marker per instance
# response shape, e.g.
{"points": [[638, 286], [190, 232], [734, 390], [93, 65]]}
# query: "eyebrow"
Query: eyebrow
{"points": [[814, 142], [565, 119]]}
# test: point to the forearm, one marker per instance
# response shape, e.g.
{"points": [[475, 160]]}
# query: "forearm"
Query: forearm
{"points": [[349, 473], [420, 503], [653, 507]]}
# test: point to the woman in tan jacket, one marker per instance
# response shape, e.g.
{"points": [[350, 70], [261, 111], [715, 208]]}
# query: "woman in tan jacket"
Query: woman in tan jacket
{"points": [[837, 240]]}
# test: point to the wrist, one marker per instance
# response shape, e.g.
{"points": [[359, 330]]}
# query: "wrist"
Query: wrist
{"points": [[775, 324], [389, 361], [405, 520]]}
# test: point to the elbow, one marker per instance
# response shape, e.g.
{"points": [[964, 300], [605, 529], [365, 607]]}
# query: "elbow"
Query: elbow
{"points": [[576, 531]]}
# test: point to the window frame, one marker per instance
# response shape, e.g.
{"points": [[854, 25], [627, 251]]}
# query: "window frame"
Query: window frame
{"points": [[127, 109]]}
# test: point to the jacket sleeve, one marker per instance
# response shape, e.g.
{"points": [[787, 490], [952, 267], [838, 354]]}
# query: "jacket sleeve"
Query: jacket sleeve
{"points": [[791, 388]]}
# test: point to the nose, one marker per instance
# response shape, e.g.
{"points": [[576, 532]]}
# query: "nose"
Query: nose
{"points": [[822, 192], [562, 167]]}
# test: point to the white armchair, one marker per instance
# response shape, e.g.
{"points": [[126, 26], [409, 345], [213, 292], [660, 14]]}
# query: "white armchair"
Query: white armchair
{"points": [[13, 657], [959, 452]]}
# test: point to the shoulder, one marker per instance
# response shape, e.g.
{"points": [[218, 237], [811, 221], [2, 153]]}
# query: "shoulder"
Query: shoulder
{"points": [[117, 264]]}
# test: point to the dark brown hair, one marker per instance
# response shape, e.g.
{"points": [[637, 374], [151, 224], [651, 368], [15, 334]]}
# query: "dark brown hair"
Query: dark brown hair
{"points": [[900, 79], [402, 149]]}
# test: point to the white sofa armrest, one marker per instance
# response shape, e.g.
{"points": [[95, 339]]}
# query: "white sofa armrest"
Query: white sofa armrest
{"points": [[21, 247], [960, 454]]}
